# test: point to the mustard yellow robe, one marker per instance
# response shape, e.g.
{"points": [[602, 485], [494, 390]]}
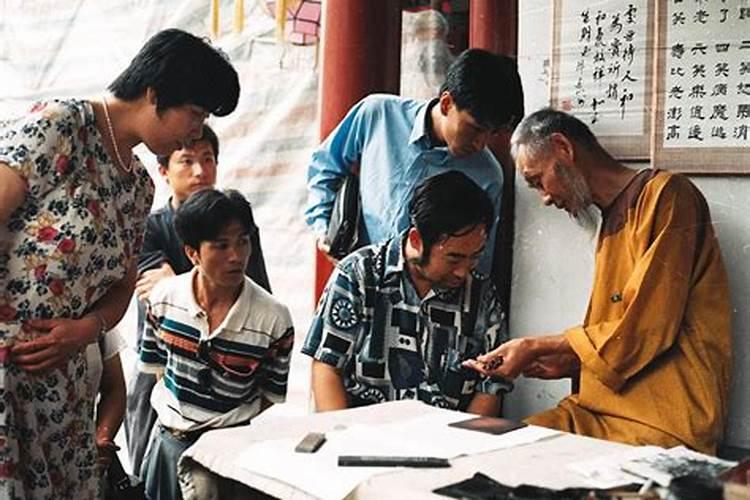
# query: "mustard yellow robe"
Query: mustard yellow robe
{"points": [[655, 346]]}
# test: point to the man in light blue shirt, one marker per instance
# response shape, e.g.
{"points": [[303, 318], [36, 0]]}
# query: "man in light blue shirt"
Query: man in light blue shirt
{"points": [[398, 142]]}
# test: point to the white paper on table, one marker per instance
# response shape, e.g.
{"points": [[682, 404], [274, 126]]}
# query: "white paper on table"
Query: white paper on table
{"points": [[433, 437], [318, 473], [606, 471]]}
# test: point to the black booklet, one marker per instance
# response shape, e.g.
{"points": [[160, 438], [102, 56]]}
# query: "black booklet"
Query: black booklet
{"points": [[490, 425]]}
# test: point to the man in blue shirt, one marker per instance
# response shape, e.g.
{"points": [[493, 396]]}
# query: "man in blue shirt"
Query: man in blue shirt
{"points": [[398, 142], [396, 319]]}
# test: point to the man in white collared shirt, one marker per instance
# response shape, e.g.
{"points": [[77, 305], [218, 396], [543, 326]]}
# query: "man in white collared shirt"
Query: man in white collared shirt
{"points": [[219, 343]]}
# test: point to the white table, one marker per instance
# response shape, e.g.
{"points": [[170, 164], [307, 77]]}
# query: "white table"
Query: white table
{"points": [[541, 463]]}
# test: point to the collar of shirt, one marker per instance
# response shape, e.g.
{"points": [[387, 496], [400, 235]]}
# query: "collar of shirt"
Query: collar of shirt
{"points": [[394, 256], [168, 206], [397, 273], [420, 132], [234, 319]]}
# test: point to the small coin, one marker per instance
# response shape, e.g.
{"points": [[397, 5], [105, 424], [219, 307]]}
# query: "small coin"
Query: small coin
{"points": [[493, 363]]}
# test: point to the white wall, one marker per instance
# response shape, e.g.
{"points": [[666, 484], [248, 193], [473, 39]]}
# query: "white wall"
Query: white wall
{"points": [[553, 258], [729, 199]]}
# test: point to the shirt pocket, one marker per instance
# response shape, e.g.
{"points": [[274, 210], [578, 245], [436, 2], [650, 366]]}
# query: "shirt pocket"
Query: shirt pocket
{"points": [[236, 368]]}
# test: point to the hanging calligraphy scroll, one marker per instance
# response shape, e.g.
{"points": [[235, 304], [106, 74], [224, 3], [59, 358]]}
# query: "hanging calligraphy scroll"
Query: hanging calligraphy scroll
{"points": [[703, 87], [602, 70]]}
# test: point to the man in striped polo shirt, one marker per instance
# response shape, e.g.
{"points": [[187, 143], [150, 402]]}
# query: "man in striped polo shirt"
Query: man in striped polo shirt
{"points": [[186, 171], [218, 343]]}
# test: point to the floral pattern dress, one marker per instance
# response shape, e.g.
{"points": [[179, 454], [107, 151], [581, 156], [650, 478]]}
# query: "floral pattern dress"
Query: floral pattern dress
{"points": [[75, 234]]}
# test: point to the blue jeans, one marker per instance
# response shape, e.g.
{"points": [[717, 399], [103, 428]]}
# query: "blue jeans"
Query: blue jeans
{"points": [[160, 466]]}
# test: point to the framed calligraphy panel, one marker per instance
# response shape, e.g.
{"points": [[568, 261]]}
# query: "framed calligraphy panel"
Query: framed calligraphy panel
{"points": [[702, 116], [602, 70]]}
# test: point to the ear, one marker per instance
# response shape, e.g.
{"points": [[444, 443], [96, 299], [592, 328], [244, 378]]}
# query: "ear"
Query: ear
{"points": [[415, 240], [562, 147], [151, 96], [163, 171], [446, 102], [192, 254]]}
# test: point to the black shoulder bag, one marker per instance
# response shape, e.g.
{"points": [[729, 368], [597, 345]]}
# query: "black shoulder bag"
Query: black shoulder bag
{"points": [[343, 236]]}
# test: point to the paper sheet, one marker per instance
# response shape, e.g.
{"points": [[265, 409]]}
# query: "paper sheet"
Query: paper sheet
{"points": [[318, 473], [431, 436], [606, 472]]}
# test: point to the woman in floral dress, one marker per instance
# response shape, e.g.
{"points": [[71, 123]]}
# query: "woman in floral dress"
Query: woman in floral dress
{"points": [[73, 205]]}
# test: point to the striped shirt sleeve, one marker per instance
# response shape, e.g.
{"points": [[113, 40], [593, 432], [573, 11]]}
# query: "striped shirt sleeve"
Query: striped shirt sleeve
{"points": [[153, 355], [274, 371]]}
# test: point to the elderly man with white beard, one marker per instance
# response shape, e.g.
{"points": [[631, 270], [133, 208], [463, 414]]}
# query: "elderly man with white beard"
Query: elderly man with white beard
{"points": [[653, 355]]}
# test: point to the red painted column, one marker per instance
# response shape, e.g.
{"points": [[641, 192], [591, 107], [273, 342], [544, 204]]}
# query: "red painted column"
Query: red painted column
{"points": [[493, 25], [361, 55]]}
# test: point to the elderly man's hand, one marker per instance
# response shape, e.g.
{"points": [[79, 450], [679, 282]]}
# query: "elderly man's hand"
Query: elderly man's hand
{"points": [[507, 361], [553, 366], [147, 280]]}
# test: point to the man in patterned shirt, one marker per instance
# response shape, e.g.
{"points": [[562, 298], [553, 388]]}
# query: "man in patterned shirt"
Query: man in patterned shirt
{"points": [[397, 319], [218, 343]]}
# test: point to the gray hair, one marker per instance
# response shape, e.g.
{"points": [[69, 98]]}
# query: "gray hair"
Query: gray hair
{"points": [[535, 130]]}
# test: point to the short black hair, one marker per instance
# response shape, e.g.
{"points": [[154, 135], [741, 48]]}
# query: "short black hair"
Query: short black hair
{"points": [[447, 203], [206, 213], [208, 136], [487, 86], [182, 69]]}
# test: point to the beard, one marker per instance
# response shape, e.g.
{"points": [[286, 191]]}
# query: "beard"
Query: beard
{"points": [[583, 211], [588, 218]]}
